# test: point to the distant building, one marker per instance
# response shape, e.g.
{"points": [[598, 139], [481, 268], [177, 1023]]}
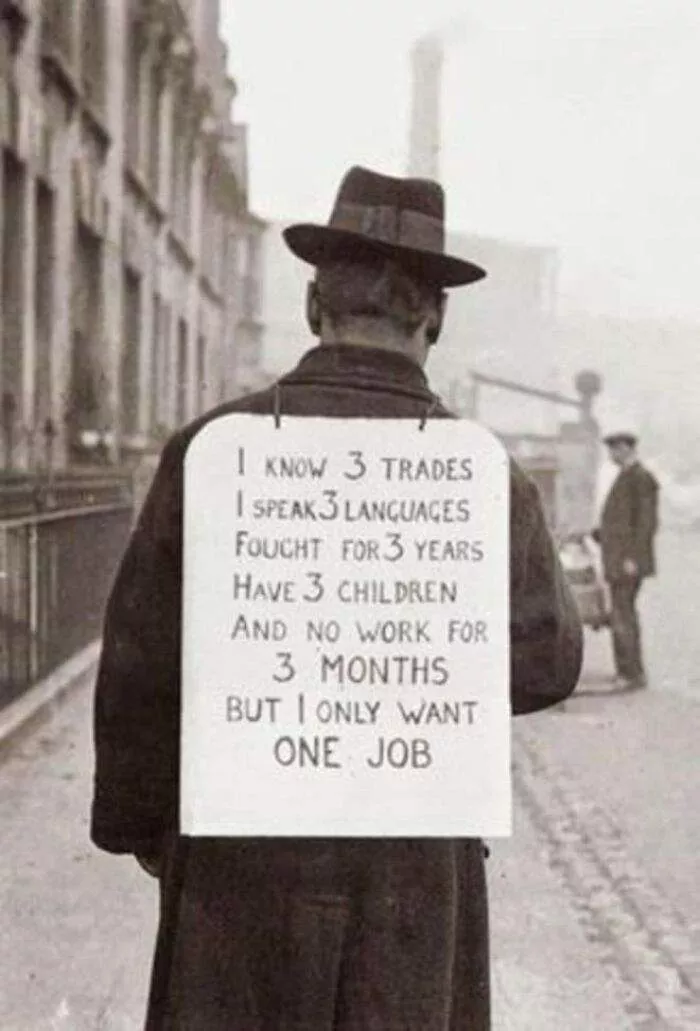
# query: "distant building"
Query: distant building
{"points": [[501, 326], [517, 297], [130, 279], [286, 334]]}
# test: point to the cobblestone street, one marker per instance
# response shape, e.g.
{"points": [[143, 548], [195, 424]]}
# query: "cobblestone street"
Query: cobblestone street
{"points": [[595, 915]]}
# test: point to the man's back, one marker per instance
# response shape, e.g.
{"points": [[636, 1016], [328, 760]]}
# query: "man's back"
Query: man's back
{"points": [[316, 935], [356, 897]]}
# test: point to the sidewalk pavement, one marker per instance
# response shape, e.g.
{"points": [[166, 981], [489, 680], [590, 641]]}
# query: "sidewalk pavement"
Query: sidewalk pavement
{"points": [[594, 901]]}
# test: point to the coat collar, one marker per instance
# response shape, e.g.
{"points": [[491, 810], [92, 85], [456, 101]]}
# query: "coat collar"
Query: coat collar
{"points": [[630, 467], [350, 362]]}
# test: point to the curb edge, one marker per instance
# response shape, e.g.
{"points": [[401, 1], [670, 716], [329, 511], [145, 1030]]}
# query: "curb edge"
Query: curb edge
{"points": [[20, 713]]}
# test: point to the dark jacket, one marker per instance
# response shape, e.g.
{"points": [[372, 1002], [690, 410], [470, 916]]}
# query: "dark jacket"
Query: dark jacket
{"points": [[137, 711], [628, 523]]}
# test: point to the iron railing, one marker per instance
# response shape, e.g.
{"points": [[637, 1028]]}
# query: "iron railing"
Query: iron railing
{"points": [[27, 494], [56, 569]]}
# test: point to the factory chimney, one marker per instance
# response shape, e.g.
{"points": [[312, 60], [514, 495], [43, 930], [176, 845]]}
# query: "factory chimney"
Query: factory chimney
{"points": [[424, 145]]}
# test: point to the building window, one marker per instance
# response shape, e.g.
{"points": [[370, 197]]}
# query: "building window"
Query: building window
{"points": [[174, 193], [153, 399], [160, 381], [132, 99], [87, 384], [44, 284], [83, 415], [11, 317], [181, 169], [182, 373], [176, 173], [187, 180], [131, 353], [93, 63], [155, 103], [201, 374], [58, 28], [183, 189], [212, 241], [207, 241]]}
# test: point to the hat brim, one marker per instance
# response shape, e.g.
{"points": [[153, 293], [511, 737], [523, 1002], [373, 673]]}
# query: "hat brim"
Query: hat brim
{"points": [[318, 245], [620, 438]]}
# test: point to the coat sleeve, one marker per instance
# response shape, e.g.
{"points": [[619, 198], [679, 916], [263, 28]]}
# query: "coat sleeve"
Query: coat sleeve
{"points": [[545, 631], [136, 716], [645, 513]]}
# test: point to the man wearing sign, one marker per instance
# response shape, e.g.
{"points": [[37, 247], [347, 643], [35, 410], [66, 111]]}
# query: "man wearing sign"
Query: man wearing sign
{"points": [[316, 934]]}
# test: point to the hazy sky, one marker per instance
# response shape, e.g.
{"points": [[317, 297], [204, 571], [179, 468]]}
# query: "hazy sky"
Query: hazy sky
{"points": [[566, 122]]}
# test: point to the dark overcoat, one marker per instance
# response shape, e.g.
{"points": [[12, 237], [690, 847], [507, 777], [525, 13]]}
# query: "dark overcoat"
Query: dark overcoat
{"points": [[629, 522], [222, 900]]}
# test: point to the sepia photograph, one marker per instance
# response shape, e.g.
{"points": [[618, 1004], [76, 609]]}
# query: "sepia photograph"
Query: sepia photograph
{"points": [[349, 515]]}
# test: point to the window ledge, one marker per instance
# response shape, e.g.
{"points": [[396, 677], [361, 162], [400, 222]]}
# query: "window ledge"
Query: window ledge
{"points": [[55, 67], [137, 182]]}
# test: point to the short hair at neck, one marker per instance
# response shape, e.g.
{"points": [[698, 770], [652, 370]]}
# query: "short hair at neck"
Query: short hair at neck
{"points": [[378, 288]]}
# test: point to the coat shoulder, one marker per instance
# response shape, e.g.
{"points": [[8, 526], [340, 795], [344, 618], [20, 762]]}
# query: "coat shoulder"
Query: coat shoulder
{"points": [[635, 480], [523, 488], [647, 478]]}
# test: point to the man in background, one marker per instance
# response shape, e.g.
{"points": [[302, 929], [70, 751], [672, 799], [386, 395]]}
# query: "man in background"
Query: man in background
{"points": [[628, 526], [316, 934]]}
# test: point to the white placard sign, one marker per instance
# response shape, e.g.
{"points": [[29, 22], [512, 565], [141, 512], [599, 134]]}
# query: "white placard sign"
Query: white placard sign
{"points": [[345, 629]]}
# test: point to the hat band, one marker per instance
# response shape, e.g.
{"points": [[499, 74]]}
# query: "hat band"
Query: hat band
{"points": [[400, 227]]}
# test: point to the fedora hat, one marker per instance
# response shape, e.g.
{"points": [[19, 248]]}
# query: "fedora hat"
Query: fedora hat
{"points": [[376, 214]]}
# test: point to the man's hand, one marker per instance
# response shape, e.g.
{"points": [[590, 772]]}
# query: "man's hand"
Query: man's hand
{"points": [[151, 864], [630, 567]]}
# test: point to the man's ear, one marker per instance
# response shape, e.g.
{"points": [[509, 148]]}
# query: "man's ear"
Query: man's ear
{"points": [[434, 327], [313, 308]]}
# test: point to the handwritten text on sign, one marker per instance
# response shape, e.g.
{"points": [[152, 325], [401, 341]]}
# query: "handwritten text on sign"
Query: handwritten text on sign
{"points": [[345, 635]]}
